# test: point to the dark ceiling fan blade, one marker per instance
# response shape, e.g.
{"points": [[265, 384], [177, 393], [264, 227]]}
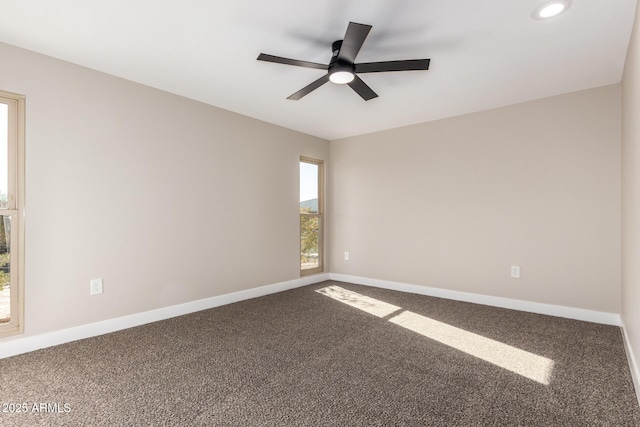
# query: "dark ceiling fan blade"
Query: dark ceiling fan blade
{"points": [[353, 41], [309, 88], [406, 65], [362, 89], [287, 61]]}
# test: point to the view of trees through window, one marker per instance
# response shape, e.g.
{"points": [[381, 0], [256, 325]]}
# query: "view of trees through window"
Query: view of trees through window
{"points": [[5, 232], [309, 242], [5, 268]]}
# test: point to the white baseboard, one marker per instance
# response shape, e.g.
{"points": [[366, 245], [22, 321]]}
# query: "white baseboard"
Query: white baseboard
{"points": [[633, 363], [513, 304], [24, 344]]}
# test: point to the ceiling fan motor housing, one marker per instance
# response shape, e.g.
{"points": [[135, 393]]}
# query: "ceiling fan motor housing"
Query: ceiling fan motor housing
{"points": [[338, 66]]}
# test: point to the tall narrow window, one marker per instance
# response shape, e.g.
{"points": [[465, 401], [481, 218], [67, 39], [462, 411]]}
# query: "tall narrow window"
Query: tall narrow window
{"points": [[311, 215], [11, 210]]}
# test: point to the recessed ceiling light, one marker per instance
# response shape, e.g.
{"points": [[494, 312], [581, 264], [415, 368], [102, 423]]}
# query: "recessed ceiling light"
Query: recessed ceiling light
{"points": [[551, 9]]}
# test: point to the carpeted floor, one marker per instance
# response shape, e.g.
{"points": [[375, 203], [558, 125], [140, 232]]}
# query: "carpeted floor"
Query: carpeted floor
{"points": [[355, 356]]}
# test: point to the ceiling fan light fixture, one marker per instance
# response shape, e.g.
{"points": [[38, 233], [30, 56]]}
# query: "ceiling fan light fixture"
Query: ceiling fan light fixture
{"points": [[342, 77], [552, 9]]}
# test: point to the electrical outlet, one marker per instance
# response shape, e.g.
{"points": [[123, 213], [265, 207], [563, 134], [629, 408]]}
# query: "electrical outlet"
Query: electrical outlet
{"points": [[346, 256], [96, 286], [515, 271]]}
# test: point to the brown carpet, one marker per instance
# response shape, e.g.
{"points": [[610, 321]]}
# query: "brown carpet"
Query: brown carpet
{"points": [[301, 358]]}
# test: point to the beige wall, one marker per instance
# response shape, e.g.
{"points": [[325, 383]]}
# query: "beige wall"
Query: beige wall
{"points": [[454, 203], [167, 199], [631, 192]]}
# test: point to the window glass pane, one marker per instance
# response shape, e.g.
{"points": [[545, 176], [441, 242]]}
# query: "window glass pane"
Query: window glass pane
{"points": [[308, 187], [4, 144], [309, 242], [5, 269]]}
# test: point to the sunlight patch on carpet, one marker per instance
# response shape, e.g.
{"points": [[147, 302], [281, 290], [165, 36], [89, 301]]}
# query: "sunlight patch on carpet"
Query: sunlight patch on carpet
{"points": [[521, 362], [369, 305]]}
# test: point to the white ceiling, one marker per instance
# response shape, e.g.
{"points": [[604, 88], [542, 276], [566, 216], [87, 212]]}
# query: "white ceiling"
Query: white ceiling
{"points": [[484, 54]]}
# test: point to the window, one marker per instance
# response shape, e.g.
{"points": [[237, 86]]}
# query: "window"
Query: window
{"points": [[311, 216], [11, 213]]}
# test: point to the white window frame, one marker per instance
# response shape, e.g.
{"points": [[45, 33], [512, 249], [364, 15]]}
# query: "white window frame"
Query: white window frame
{"points": [[15, 209], [319, 215]]}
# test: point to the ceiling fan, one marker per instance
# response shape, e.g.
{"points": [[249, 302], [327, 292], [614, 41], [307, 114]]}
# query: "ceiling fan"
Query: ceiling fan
{"points": [[342, 68]]}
